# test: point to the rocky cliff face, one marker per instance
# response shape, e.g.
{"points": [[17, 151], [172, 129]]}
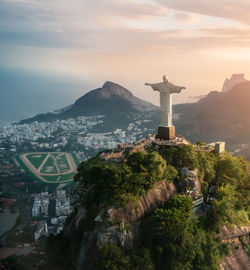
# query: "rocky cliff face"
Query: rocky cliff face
{"points": [[235, 231], [161, 192], [238, 260], [120, 226], [234, 80]]}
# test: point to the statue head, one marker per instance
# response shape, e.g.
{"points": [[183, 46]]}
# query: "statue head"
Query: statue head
{"points": [[165, 78]]}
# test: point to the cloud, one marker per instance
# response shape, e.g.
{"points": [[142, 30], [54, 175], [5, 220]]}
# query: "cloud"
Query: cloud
{"points": [[186, 17], [109, 38], [228, 32], [234, 10], [197, 97], [120, 25], [75, 23]]}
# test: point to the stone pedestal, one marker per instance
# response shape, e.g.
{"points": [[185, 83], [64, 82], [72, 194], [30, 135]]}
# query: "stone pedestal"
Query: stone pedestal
{"points": [[166, 133]]}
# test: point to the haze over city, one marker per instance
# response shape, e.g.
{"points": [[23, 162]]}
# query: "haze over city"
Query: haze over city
{"points": [[126, 41]]}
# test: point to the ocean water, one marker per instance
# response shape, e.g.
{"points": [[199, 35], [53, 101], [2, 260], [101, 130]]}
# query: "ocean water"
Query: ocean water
{"points": [[24, 94]]}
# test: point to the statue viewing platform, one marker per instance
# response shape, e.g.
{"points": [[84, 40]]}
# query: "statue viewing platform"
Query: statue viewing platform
{"points": [[126, 149]]}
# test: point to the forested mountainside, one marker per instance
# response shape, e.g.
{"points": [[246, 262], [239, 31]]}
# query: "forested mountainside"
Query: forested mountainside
{"points": [[218, 116], [136, 210]]}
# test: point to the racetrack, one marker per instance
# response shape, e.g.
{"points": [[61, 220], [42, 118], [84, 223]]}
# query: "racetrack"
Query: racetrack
{"points": [[43, 171]]}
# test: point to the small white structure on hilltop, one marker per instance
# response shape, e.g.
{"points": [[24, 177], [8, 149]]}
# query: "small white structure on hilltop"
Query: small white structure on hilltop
{"points": [[217, 147], [220, 147]]}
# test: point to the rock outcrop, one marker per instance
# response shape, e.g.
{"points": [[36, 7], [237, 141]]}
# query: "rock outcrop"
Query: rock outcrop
{"points": [[238, 260], [235, 231], [234, 80], [161, 192], [121, 226]]}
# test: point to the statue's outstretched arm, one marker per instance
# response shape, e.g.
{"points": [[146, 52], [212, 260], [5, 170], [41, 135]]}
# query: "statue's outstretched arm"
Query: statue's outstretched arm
{"points": [[155, 86], [176, 89]]}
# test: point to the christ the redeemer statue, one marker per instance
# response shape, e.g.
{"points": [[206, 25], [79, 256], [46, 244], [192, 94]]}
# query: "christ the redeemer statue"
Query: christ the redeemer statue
{"points": [[166, 89]]}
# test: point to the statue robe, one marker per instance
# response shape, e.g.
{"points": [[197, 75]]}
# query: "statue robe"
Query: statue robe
{"points": [[166, 90]]}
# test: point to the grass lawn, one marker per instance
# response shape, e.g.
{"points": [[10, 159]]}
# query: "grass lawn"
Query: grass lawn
{"points": [[63, 164], [23, 165], [49, 167], [68, 176], [77, 162], [52, 178], [36, 159], [54, 154]]}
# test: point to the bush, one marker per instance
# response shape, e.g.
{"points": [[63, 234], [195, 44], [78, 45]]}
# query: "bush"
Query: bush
{"points": [[180, 157], [176, 241], [118, 184]]}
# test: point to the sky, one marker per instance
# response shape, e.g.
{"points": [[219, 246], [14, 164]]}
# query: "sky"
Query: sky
{"points": [[197, 43]]}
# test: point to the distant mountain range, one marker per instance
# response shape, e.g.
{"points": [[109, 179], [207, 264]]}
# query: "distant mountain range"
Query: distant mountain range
{"points": [[234, 80], [217, 116], [111, 100]]}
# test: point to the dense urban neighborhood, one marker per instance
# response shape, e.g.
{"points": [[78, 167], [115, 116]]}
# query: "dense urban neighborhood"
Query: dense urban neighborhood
{"points": [[84, 133], [39, 207]]}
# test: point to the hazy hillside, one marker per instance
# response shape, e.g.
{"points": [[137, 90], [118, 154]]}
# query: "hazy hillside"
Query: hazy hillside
{"points": [[111, 99], [218, 116]]}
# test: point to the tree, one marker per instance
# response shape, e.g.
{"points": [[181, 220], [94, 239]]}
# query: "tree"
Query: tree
{"points": [[225, 207], [206, 165], [137, 162], [118, 183], [141, 260], [176, 240], [235, 171], [231, 170], [180, 157], [112, 257], [187, 157], [180, 202]]}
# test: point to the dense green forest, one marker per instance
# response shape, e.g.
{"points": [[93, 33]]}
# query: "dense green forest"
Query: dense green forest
{"points": [[116, 184], [172, 237]]}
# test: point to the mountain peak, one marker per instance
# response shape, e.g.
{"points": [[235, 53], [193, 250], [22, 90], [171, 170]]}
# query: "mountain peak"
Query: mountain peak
{"points": [[110, 88], [234, 80], [108, 84], [111, 100]]}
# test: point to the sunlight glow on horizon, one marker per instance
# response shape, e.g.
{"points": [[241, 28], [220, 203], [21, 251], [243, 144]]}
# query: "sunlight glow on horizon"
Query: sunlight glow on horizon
{"points": [[128, 42]]}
